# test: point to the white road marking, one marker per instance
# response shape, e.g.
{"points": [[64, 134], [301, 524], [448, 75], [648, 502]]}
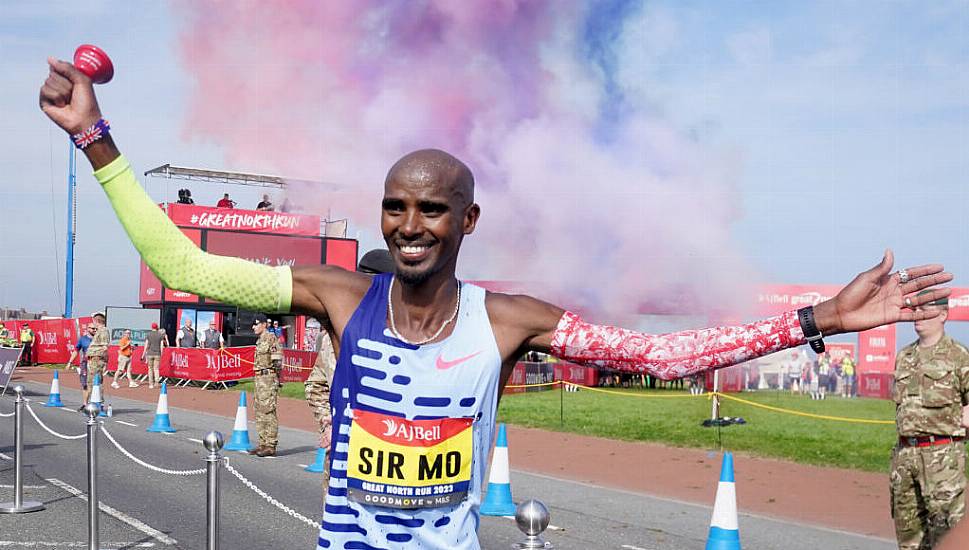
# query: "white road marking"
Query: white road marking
{"points": [[25, 486], [45, 544], [126, 423], [193, 440], [5, 457], [303, 465], [121, 516], [631, 547]]}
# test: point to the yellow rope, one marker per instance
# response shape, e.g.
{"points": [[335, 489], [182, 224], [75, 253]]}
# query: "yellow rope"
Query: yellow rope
{"points": [[557, 382], [710, 396], [809, 415], [627, 394]]}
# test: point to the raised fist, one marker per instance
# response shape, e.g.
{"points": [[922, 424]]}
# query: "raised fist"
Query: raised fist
{"points": [[67, 97]]}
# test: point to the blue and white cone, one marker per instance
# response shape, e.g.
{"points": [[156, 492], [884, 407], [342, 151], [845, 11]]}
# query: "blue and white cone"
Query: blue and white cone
{"points": [[497, 501], [162, 423], [240, 431], [54, 399], [319, 464], [96, 390], [96, 397], [724, 533]]}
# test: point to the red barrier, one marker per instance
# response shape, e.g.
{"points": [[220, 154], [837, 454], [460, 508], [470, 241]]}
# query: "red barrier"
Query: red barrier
{"points": [[876, 384], [208, 364], [528, 373], [577, 374], [53, 338]]}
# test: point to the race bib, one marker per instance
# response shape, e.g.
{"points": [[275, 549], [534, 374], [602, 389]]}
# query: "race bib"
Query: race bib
{"points": [[400, 463]]}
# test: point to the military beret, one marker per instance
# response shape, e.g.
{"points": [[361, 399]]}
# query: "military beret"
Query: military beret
{"points": [[260, 318]]}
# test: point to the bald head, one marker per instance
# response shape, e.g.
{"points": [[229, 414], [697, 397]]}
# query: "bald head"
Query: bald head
{"points": [[435, 167]]}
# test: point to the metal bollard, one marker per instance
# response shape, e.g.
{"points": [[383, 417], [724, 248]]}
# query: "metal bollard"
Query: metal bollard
{"points": [[532, 518], [213, 443], [18, 506], [93, 529]]}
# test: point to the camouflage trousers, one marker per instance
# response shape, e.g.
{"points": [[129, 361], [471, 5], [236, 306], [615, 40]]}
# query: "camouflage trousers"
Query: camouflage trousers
{"points": [[96, 365], [928, 487], [318, 397], [266, 394]]}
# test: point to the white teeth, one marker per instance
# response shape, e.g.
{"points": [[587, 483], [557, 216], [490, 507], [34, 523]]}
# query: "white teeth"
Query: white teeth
{"points": [[412, 249]]}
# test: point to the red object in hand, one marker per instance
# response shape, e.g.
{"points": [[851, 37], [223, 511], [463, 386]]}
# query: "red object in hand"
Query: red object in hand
{"points": [[92, 61]]}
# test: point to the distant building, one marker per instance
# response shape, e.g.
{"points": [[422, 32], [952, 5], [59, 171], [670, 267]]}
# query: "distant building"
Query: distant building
{"points": [[8, 313]]}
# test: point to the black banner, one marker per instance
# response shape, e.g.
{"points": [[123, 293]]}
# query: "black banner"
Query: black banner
{"points": [[8, 362]]}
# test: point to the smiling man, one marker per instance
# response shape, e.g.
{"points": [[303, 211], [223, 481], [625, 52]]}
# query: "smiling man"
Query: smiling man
{"points": [[422, 356]]}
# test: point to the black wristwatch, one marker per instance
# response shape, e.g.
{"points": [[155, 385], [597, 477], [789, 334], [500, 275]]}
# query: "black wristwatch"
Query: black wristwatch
{"points": [[811, 333]]}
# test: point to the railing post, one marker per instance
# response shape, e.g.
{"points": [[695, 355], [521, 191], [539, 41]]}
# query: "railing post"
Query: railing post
{"points": [[18, 506], [93, 529], [213, 443]]}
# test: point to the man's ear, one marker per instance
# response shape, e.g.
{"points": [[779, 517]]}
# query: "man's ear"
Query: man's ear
{"points": [[471, 215]]}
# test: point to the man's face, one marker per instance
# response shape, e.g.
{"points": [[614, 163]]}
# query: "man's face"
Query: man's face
{"points": [[188, 323], [92, 328], [423, 220], [212, 325], [259, 328], [935, 325]]}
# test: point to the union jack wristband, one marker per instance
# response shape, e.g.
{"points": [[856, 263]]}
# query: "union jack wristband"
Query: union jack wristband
{"points": [[92, 134]]}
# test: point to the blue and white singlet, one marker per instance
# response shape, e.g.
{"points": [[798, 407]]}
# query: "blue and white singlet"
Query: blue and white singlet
{"points": [[412, 426]]}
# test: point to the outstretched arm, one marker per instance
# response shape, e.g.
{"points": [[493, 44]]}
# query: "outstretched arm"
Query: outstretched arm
{"points": [[873, 298], [67, 97]]}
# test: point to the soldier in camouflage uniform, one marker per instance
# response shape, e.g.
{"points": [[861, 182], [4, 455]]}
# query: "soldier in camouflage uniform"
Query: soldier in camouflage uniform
{"points": [[266, 378], [928, 464], [317, 390], [97, 352]]}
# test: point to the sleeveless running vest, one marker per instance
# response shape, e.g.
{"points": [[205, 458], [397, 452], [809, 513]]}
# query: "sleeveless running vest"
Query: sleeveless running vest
{"points": [[413, 426]]}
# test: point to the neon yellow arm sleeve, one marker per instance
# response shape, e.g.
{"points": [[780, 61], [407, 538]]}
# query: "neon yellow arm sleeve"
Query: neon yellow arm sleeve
{"points": [[178, 263]]}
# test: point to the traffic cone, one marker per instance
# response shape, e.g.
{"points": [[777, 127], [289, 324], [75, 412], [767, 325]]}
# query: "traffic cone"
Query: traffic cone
{"points": [[498, 500], [54, 399], [724, 534], [318, 465], [96, 390], [96, 396], [240, 432], [162, 422]]}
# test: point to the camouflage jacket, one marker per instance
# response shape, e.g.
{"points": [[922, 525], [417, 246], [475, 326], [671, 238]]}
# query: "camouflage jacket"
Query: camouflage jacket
{"points": [[322, 371], [931, 387], [99, 343], [266, 347]]}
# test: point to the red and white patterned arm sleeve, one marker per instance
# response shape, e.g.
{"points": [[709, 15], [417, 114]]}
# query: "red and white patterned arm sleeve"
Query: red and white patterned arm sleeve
{"points": [[673, 355]]}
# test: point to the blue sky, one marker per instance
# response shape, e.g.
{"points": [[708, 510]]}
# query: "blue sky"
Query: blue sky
{"points": [[848, 121]]}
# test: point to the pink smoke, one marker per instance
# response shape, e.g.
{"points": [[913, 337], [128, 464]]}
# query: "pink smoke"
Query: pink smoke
{"points": [[337, 91]]}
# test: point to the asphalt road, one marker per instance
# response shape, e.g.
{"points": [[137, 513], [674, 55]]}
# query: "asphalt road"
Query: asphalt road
{"points": [[146, 509]]}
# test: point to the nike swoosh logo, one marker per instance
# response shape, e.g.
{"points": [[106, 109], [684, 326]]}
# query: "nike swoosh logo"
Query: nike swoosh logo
{"points": [[444, 365]]}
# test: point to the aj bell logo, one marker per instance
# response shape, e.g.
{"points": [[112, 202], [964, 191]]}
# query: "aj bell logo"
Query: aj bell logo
{"points": [[179, 361], [220, 362], [410, 433]]}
